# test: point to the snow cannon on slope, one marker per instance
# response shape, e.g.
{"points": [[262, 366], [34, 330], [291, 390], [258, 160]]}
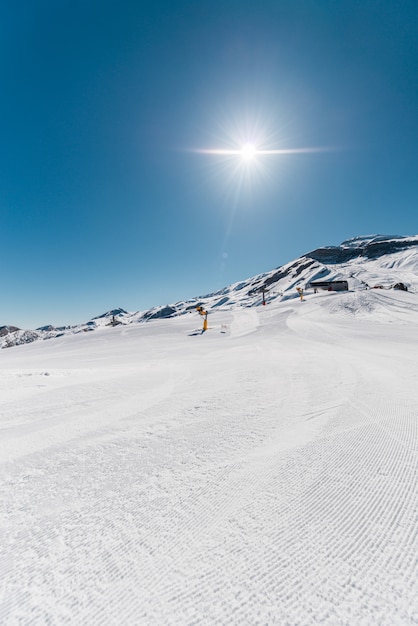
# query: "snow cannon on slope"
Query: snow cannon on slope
{"points": [[204, 314]]}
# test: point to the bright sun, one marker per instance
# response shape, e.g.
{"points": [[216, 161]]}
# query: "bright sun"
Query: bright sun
{"points": [[248, 151]]}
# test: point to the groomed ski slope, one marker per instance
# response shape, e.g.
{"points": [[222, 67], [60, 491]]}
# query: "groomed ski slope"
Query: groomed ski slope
{"points": [[264, 472]]}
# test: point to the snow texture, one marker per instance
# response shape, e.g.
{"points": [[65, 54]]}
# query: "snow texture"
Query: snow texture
{"points": [[262, 472]]}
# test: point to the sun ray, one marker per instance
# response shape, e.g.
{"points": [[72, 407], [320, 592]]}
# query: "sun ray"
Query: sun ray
{"points": [[256, 151]]}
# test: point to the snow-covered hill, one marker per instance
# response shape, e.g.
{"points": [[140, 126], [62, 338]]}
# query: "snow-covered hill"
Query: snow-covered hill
{"points": [[262, 472], [364, 262]]}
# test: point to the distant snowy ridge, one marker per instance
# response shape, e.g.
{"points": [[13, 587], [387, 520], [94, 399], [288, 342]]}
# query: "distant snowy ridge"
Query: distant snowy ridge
{"points": [[364, 261], [372, 246]]}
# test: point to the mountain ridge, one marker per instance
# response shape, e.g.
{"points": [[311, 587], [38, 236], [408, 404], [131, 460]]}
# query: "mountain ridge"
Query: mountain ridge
{"points": [[363, 261]]}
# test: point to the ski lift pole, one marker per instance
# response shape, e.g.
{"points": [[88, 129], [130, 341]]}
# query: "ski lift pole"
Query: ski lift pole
{"points": [[263, 290]]}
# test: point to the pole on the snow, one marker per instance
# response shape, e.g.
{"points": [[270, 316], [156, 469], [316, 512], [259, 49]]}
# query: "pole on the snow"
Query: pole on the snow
{"points": [[263, 290]]}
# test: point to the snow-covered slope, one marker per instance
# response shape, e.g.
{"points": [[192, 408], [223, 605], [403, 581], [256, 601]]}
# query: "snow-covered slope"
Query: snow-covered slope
{"points": [[262, 472], [364, 262]]}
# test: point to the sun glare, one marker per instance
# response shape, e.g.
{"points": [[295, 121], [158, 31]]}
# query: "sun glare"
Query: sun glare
{"points": [[250, 154], [248, 151]]}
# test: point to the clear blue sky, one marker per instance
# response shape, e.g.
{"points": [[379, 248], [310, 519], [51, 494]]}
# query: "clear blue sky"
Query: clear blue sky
{"points": [[103, 201]]}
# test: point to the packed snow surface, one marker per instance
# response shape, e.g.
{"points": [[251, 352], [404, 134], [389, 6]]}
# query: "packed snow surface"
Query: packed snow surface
{"points": [[262, 472]]}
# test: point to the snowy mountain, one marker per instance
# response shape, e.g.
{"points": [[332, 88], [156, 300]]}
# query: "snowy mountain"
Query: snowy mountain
{"points": [[364, 262], [262, 472]]}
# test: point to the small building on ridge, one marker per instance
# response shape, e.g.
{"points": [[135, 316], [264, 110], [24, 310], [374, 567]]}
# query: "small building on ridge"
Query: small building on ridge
{"points": [[329, 285]]}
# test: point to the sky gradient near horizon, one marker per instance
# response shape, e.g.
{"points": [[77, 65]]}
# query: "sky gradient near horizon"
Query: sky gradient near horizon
{"points": [[105, 199]]}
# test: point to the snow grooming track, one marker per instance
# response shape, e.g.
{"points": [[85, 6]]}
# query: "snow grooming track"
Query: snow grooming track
{"points": [[244, 322], [104, 401], [272, 482]]}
